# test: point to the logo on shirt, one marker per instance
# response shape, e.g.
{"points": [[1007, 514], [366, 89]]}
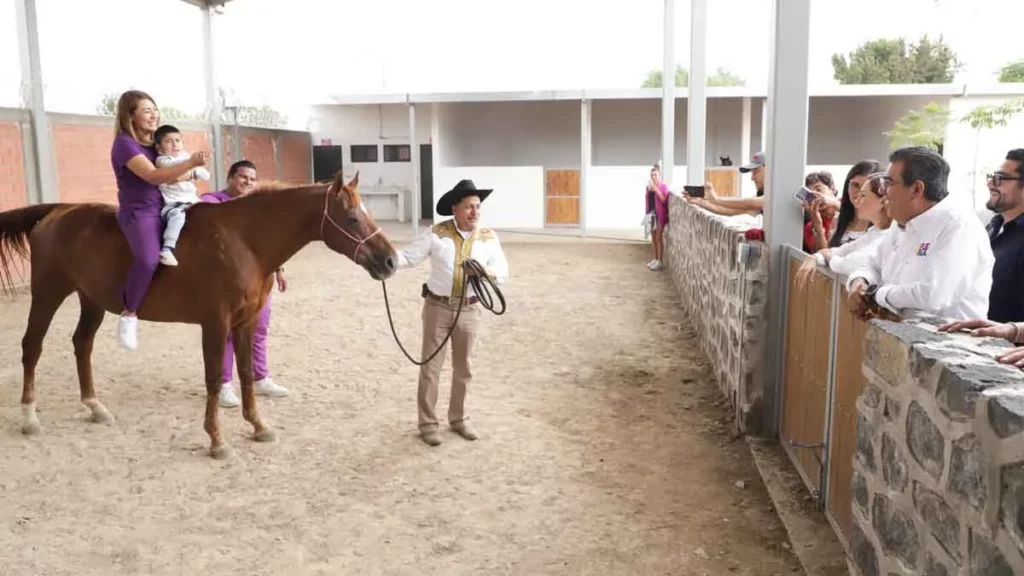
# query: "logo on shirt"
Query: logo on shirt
{"points": [[922, 248]]}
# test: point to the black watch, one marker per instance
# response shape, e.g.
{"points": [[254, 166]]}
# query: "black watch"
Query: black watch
{"points": [[869, 294]]}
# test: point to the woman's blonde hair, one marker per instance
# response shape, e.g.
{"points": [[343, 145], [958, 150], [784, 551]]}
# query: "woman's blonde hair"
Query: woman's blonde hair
{"points": [[127, 104]]}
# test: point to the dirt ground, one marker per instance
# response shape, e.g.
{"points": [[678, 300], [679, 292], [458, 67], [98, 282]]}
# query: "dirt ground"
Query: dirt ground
{"points": [[604, 446]]}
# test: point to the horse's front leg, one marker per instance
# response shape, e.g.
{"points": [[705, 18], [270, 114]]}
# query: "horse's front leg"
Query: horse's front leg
{"points": [[215, 336], [243, 340]]}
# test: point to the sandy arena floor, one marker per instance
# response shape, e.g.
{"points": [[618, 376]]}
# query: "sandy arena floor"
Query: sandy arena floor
{"points": [[599, 453]]}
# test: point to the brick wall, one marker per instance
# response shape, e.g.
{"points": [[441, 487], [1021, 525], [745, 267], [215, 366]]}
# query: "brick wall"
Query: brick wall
{"points": [[82, 155], [13, 187], [726, 301], [296, 156], [291, 163], [938, 486], [13, 183]]}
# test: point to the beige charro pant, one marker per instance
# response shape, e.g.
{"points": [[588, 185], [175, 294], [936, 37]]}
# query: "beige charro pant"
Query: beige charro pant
{"points": [[437, 319]]}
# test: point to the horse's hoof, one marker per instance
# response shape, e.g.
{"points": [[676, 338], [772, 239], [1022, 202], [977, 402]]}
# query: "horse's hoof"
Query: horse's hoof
{"points": [[222, 452], [31, 429], [265, 435]]}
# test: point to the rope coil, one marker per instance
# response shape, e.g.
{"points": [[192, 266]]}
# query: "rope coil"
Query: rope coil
{"points": [[482, 284]]}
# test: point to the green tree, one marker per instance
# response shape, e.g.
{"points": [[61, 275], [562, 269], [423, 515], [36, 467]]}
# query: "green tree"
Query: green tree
{"points": [[1012, 72], [894, 61], [721, 77], [986, 117], [925, 128], [108, 107]]}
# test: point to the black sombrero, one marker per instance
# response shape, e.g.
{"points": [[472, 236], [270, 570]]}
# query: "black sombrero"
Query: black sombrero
{"points": [[463, 189]]}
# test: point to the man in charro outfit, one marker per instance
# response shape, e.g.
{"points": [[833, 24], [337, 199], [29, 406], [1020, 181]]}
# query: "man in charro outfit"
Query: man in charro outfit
{"points": [[449, 244]]}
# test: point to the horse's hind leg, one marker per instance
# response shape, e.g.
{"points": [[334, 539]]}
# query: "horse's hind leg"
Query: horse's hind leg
{"points": [[45, 302], [243, 338], [89, 322]]}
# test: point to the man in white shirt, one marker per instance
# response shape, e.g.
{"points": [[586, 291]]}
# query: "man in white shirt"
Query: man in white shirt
{"points": [[448, 244], [937, 259]]}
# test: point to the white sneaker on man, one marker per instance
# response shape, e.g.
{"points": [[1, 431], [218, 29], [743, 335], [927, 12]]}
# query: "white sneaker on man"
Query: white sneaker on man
{"points": [[651, 263], [656, 266], [128, 332], [266, 387], [228, 398]]}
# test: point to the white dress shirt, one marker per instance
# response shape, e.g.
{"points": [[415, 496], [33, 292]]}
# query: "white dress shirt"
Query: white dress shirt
{"points": [[940, 264], [847, 258], [180, 191], [440, 245]]}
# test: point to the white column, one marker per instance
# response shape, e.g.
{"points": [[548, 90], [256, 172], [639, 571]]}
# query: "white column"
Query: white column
{"points": [[668, 93], [436, 146], [32, 98], [787, 156], [586, 150], [414, 155], [764, 126], [213, 103], [696, 97], [745, 129]]}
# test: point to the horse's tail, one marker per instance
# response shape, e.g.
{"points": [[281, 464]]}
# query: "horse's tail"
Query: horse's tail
{"points": [[15, 226]]}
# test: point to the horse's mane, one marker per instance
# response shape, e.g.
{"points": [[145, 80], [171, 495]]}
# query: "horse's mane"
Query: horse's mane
{"points": [[272, 186]]}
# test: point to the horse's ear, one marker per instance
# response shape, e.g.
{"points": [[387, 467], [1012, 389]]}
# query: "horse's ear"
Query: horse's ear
{"points": [[354, 183]]}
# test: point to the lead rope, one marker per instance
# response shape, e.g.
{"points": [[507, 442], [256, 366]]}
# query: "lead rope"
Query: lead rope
{"points": [[476, 276]]}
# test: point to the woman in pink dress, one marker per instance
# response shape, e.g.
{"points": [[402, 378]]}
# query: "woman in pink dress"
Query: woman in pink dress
{"points": [[658, 192]]}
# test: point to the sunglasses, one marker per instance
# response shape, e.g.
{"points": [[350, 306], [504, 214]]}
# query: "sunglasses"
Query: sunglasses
{"points": [[998, 179]]}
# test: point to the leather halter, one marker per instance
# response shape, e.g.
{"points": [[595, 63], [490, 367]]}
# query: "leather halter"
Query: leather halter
{"points": [[327, 218]]}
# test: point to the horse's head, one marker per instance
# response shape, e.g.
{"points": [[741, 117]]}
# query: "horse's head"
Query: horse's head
{"points": [[349, 229]]}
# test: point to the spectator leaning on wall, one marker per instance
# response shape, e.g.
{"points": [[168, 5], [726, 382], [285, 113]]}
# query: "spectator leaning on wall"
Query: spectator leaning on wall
{"points": [[1006, 232], [937, 258]]}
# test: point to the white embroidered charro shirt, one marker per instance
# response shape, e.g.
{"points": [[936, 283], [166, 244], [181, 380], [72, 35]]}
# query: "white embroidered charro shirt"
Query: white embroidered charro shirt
{"points": [[940, 263], [446, 246]]}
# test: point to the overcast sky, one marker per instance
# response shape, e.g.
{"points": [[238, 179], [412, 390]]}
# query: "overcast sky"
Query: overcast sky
{"points": [[295, 53]]}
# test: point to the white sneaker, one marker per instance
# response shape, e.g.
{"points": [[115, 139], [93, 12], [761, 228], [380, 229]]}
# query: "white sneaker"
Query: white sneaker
{"points": [[266, 387], [656, 266], [128, 332], [167, 258], [228, 398], [651, 263]]}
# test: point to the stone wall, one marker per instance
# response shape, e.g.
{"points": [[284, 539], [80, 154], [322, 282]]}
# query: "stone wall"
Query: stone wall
{"points": [[938, 486], [726, 301]]}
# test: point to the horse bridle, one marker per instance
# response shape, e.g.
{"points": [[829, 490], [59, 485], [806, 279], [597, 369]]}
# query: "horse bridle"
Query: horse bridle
{"points": [[327, 218]]}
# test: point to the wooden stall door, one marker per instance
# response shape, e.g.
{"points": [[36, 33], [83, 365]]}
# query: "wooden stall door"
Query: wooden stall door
{"points": [[562, 197], [725, 180], [849, 382], [805, 392]]}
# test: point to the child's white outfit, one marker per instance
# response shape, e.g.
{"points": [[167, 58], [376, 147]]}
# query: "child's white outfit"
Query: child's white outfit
{"points": [[178, 196]]}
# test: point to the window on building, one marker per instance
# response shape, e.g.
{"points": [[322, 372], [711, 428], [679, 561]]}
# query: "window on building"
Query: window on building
{"points": [[363, 153], [397, 153]]}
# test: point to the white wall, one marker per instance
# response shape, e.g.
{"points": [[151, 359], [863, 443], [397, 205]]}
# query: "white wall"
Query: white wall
{"points": [[512, 134], [518, 197], [377, 125], [616, 195]]}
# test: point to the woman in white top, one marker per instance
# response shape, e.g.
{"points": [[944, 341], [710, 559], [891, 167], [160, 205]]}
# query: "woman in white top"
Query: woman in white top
{"points": [[846, 258]]}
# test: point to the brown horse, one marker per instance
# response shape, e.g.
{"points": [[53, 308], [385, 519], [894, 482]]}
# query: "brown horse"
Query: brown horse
{"points": [[228, 253]]}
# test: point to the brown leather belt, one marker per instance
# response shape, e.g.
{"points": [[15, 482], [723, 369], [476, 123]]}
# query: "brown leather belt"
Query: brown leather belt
{"points": [[449, 301]]}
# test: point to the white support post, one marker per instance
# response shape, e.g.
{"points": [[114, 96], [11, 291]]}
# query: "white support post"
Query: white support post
{"points": [[696, 98], [213, 103], [437, 147], [586, 152], [786, 161], [414, 155], [744, 133], [668, 93], [764, 127], [32, 98]]}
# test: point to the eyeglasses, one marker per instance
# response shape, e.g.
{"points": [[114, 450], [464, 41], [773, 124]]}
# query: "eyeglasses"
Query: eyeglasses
{"points": [[998, 179]]}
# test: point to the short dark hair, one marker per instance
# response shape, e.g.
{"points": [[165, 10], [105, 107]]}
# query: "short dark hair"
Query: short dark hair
{"points": [[164, 131], [240, 164], [926, 165], [824, 176], [1017, 155]]}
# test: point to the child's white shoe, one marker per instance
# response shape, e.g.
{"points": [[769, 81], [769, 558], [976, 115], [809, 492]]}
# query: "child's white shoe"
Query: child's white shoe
{"points": [[167, 258]]}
